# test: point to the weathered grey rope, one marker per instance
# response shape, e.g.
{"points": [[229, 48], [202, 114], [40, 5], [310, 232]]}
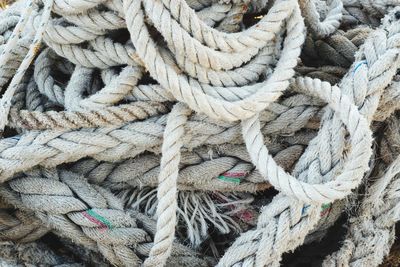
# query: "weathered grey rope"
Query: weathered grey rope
{"points": [[198, 170], [5, 101], [72, 199], [37, 253], [338, 49], [20, 227], [331, 22], [56, 147]]}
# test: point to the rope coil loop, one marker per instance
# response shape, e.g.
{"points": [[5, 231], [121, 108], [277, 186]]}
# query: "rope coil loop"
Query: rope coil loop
{"points": [[189, 91], [357, 159]]}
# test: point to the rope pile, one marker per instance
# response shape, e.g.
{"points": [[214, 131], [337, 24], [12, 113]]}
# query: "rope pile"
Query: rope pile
{"points": [[198, 132]]}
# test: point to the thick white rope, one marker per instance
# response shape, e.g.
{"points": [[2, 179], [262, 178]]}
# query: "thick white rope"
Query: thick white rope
{"points": [[357, 158], [166, 190]]}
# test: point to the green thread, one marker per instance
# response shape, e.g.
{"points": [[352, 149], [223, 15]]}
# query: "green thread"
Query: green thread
{"points": [[100, 218], [229, 179], [326, 209], [325, 206]]}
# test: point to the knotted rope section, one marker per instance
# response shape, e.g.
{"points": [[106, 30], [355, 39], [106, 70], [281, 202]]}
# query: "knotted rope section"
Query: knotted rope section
{"points": [[150, 132]]}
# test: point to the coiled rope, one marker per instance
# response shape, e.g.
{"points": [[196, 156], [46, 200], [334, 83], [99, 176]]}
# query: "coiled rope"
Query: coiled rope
{"points": [[189, 111]]}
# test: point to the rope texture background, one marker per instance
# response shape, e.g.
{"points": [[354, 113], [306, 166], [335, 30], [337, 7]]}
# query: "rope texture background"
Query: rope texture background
{"points": [[198, 132]]}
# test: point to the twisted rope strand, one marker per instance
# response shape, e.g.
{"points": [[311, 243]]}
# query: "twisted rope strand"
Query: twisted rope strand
{"points": [[166, 191]]}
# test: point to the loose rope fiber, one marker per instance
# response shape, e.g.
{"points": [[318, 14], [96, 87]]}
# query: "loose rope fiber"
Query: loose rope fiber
{"points": [[197, 132]]}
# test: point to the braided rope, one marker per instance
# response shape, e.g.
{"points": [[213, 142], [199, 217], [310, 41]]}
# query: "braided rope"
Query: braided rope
{"points": [[371, 235], [288, 213], [97, 213]]}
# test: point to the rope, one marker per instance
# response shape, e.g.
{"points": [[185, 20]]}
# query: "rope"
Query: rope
{"points": [[357, 158], [331, 22], [285, 211], [72, 200], [166, 192], [152, 132], [371, 235]]}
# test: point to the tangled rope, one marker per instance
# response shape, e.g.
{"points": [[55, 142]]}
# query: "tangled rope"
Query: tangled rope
{"points": [[152, 132]]}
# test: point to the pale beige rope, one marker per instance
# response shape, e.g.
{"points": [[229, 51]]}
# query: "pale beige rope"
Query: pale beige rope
{"points": [[215, 50], [331, 22], [358, 128], [191, 94], [293, 216], [167, 189], [116, 132], [109, 116], [5, 101], [353, 169]]}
